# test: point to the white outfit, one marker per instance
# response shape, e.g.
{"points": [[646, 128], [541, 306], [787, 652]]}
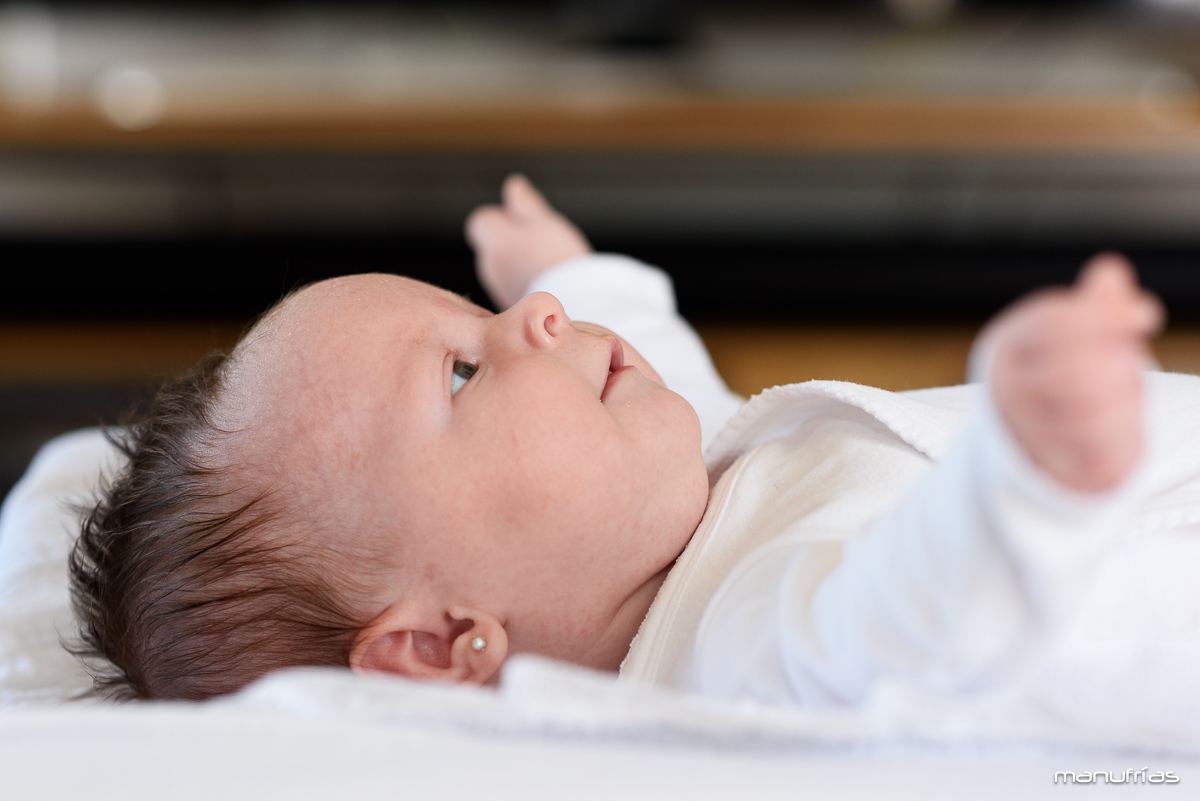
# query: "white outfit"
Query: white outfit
{"points": [[859, 541]]}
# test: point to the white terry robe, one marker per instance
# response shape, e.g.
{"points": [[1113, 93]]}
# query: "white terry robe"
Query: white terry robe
{"points": [[835, 558]]}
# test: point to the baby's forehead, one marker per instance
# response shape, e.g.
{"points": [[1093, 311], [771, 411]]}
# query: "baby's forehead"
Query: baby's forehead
{"points": [[310, 363], [358, 300], [325, 332]]}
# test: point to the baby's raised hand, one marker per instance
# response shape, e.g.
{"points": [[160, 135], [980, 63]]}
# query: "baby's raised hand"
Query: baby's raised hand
{"points": [[517, 240], [1065, 367]]}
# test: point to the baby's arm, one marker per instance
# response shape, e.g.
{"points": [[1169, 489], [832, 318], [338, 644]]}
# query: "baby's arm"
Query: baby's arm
{"points": [[526, 246], [959, 589]]}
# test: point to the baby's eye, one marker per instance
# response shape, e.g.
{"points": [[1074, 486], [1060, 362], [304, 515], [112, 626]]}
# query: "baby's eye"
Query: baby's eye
{"points": [[460, 375]]}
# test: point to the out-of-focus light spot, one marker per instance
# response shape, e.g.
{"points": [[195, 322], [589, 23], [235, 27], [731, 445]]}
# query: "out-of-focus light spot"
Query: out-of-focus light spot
{"points": [[131, 96], [920, 12], [28, 56], [1170, 100]]}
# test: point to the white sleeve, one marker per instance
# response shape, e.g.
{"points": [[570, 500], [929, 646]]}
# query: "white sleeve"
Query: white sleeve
{"points": [[638, 302], [954, 592]]}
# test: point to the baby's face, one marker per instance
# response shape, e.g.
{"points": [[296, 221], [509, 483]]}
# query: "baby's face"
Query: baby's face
{"points": [[520, 463]]}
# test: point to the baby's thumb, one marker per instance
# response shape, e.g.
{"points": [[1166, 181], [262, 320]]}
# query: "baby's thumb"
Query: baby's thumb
{"points": [[522, 199], [1111, 281], [1108, 273]]}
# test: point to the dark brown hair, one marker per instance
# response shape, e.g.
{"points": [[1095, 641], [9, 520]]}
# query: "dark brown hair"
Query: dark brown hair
{"points": [[187, 585]]}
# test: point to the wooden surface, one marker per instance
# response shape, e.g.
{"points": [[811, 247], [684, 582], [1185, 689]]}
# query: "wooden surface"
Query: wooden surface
{"points": [[47, 353], [1118, 125], [750, 358], [894, 358]]}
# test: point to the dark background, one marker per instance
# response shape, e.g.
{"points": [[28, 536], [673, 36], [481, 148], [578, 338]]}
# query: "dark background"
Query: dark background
{"points": [[212, 266], [936, 256]]}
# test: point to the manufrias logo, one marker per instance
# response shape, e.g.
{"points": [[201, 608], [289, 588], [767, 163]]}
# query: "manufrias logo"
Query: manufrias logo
{"points": [[1129, 776]]}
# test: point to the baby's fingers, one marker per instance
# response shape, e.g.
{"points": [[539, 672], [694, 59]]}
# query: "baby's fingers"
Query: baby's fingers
{"points": [[1108, 289]]}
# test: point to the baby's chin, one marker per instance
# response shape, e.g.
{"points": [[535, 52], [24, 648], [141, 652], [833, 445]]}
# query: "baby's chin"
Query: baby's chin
{"points": [[693, 438], [695, 492], [690, 436]]}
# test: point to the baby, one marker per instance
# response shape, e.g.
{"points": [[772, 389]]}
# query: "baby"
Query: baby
{"points": [[385, 476]]}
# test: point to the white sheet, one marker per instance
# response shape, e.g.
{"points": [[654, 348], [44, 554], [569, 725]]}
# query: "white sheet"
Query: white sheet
{"points": [[38, 524], [205, 754]]}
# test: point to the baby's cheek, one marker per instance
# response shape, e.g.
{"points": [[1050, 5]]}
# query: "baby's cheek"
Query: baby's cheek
{"points": [[563, 446]]}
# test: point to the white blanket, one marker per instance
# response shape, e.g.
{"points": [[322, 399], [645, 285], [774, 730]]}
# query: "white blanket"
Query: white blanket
{"points": [[38, 524], [551, 731]]}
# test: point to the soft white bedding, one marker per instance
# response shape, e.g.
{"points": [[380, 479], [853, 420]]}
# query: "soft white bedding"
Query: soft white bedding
{"points": [[548, 732], [206, 754], [37, 528]]}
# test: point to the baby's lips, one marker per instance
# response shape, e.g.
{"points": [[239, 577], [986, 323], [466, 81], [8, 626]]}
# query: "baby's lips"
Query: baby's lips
{"points": [[616, 353], [616, 362], [616, 359], [613, 378]]}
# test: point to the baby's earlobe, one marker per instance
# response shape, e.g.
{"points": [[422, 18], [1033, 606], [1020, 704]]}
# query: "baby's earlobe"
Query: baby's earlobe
{"points": [[479, 652]]}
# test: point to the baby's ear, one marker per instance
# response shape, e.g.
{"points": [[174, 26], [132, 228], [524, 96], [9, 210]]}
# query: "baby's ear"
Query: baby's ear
{"points": [[462, 645]]}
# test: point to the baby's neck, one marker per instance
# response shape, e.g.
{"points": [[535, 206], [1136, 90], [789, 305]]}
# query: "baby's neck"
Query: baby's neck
{"points": [[610, 649]]}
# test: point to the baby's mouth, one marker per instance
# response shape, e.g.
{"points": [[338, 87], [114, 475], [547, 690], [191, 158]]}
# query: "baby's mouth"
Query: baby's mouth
{"points": [[616, 363]]}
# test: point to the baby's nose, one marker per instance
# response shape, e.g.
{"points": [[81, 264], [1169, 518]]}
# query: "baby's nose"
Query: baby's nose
{"points": [[542, 318]]}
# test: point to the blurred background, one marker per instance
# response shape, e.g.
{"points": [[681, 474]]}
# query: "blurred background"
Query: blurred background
{"points": [[839, 189]]}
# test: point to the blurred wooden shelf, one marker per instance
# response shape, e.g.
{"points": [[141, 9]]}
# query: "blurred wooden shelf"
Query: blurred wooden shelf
{"points": [[753, 358], [845, 125], [105, 353], [892, 357]]}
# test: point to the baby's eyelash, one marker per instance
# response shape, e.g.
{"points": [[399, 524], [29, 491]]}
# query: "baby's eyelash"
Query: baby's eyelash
{"points": [[460, 375]]}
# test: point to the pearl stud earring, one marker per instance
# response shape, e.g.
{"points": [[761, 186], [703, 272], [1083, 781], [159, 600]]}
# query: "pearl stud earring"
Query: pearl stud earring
{"points": [[479, 643]]}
